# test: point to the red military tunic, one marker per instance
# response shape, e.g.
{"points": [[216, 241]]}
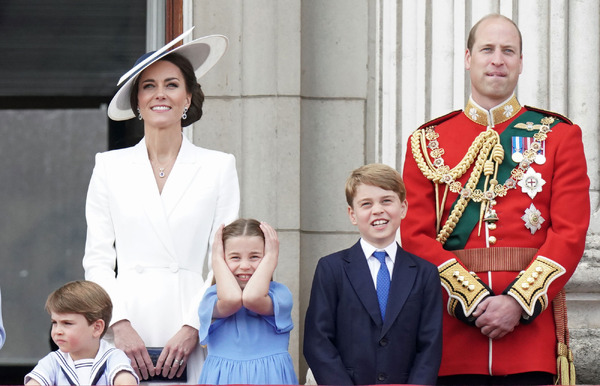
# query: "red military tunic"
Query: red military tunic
{"points": [[546, 215]]}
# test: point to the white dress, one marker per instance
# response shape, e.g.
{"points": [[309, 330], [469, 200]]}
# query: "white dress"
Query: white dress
{"points": [[159, 242]]}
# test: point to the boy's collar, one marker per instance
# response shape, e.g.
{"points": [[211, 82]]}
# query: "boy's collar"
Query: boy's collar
{"points": [[368, 249]]}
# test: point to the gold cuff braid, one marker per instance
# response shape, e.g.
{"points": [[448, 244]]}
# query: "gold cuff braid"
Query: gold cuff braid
{"points": [[462, 286], [532, 284]]}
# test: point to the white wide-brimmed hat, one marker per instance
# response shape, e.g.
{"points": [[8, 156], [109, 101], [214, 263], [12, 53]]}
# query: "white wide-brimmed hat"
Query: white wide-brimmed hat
{"points": [[203, 54]]}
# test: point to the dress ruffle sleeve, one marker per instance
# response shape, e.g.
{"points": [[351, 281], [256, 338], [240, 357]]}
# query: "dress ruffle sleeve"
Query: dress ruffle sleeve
{"points": [[281, 319]]}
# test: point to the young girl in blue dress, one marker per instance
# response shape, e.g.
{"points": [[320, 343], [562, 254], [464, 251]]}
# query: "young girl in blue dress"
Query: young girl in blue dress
{"points": [[245, 319]]}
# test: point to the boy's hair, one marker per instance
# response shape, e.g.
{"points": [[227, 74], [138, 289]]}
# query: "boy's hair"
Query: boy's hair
{"points": [[82, 297], [243, 227], [379, 175]]}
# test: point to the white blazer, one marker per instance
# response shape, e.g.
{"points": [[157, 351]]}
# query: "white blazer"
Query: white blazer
{"points": [[160, 243]]}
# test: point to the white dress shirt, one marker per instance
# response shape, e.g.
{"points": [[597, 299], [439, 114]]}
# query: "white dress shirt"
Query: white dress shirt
{"points": [[372, 261]]}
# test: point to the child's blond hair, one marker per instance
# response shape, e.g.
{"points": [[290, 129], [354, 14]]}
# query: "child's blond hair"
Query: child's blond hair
{"points": [[379, 175]]}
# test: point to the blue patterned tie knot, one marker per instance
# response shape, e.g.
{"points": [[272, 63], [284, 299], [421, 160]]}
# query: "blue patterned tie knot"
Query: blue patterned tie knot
{"points": [[383, 282]]}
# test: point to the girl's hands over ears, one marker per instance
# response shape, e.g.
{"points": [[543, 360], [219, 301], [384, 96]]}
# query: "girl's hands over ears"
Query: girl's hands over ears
{"points": [[271, 244], [218, 251]]}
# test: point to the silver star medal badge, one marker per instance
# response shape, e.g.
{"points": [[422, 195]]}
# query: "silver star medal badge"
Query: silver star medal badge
{"points": [[532, 182], [533, 219]]}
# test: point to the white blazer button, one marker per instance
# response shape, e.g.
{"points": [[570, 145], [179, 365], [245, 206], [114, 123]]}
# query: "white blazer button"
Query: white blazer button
{"points": [[139, 268], [174, 267]]}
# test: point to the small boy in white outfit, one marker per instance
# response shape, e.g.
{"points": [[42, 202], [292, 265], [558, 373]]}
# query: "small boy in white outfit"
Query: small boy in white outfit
{"points": [[80, 312]]}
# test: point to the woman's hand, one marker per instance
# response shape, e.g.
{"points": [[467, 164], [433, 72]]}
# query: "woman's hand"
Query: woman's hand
{"points": [[173, 358], [128, 340]]}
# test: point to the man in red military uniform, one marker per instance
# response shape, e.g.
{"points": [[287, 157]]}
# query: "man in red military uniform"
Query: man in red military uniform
{"points": [[499, 201]]}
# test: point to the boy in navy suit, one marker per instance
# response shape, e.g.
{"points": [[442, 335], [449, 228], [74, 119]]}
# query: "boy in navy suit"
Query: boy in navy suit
{"points": [[368, 322]]}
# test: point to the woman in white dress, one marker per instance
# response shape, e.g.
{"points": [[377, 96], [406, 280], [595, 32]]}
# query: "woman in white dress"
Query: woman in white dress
{"points": [[152, 211]]}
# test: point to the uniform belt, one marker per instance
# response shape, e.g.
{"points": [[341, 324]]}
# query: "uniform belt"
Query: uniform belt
{"points": [[496, 259]]}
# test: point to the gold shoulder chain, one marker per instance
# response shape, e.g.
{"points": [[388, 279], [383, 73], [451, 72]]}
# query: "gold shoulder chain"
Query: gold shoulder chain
{"points": [[437, 171], [461, 205]]}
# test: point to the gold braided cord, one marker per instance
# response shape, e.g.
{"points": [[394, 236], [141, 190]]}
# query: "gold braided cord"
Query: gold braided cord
{"points": [[565, 362], [441, 173], [437, 174], [442, 205], [490, 168], [491, 140], [498, 153]]}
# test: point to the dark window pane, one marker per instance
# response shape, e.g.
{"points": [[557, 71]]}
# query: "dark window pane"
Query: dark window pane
{"points": [[68, 47]]}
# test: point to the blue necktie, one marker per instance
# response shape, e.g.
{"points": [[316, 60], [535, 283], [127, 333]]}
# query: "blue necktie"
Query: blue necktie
{"points": [[383, 282]]}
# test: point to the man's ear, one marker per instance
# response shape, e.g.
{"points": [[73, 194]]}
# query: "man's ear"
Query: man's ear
{"points": [[467, 60], [352, 215]]}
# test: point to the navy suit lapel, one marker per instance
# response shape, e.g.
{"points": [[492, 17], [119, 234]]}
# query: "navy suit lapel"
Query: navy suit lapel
{"points": [[403, 279], [357, 271]]}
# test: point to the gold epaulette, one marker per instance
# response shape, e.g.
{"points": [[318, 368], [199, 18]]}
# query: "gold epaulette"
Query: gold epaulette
{"points": [[550, 113], [463, 287], [532, 284]]}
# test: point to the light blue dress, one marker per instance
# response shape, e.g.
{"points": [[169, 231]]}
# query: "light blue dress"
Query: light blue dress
{"points": [[248, 348]]}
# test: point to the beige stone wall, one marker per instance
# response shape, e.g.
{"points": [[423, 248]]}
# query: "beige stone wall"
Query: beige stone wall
{"points": [[302, 97]]}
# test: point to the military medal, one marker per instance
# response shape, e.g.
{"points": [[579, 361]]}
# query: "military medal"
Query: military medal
{"points": [[540, 157], [533, 219], [531, 183], [517, 149], [539, 148]]}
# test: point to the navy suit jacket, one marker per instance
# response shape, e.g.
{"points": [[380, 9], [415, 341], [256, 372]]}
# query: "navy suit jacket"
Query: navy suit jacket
{"points": [[345, 340]]}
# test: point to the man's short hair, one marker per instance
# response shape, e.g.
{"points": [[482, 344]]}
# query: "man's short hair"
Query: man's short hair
{"points": [[471, 39]]}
